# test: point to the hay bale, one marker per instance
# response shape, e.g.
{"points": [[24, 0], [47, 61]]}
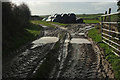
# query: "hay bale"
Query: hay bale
{"points": [[79, 20], [72, 18], [64, 18]]}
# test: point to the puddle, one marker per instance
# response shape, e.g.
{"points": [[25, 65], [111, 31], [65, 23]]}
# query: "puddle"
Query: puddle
{"points": [[44, 40], [81, 34], [67, 40], [44, 26], [80, 41], [36, 45], [73, 34]]}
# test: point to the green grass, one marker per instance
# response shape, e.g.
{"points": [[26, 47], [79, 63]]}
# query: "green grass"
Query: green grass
{"points": [[49, 24], [91, 21], [44, 16], [61, 24], [89, 16], [43, 23], [111, 57], [20, 39], [93, 33], [34, 29]]}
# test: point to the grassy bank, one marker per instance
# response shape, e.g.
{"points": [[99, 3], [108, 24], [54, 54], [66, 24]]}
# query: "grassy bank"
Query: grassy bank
{"points": [[43, 23], [20, 39], [111, 57]]}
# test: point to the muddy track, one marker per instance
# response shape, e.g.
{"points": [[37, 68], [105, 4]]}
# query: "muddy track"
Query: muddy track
{"points": [[83, 60], [74, 60], [80, 63], [24, 64]]}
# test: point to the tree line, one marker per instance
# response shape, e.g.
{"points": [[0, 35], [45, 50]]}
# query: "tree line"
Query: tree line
{"points": [[14, 21]]}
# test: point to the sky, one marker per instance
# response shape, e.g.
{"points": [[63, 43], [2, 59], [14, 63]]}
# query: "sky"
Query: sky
{"points": [[49, 7]]}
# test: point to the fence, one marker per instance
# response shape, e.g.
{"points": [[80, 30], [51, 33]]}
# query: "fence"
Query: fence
{"points": [[110, 32]]}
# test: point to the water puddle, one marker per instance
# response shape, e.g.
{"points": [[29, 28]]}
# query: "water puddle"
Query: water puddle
{"points": [[44, 40], [80, 41], [67, 40], [81, 34], [44, 26]]}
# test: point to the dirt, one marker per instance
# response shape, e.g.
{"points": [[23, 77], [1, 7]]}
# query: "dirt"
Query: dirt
{"points": [[76, 59]]}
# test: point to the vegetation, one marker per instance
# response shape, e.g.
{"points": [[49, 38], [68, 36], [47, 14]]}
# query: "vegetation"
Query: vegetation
{"points": [[34, 30], [89, 16], [95, 18], [44, 16], [111, 57], [49, 24], [61, 24], [91, 21], [43, 23], [118, 3], [17, 29]]}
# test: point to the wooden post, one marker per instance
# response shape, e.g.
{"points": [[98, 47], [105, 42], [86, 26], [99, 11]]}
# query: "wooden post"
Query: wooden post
{"points": [[101, 25], [109, 18], [105, 16]]}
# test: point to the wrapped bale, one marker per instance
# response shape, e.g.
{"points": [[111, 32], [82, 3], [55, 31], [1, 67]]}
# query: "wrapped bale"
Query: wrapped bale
{"points": [[79, 20], [72, 18], [64, 18], [57, 18]]}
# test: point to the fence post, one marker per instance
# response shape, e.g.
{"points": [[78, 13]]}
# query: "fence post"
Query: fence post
{"points": [[119, 25], [101, 25], [109, 20], [105, 16]]}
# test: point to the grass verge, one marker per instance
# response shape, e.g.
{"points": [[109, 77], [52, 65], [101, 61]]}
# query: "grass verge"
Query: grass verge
{"points": [[61, 24], [45, 23], [111, 57], [49, 24], [91, 21], [19, 39]]}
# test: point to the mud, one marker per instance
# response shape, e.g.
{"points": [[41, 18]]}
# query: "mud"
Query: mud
{"points": [[74, 57]]}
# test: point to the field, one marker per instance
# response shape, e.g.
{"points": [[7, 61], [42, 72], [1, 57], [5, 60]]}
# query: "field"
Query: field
{"points": [[95, 18], [89, 16]]}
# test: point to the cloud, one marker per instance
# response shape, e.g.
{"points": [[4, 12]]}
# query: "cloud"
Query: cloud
{"points": [[66, 0], [5, 0], [38, 7]]}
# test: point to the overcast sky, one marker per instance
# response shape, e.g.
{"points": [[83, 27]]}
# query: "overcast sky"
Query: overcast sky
{"points": [[68, 0], [45, 7]]}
